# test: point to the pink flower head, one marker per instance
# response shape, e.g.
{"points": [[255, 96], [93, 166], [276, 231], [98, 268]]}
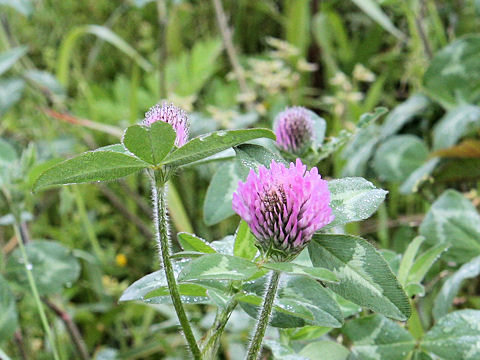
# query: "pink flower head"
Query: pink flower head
{"points": [[294, 129], [172, 115], [283, 207]]}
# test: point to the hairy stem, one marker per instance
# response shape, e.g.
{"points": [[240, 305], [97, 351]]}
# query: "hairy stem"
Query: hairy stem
{"points": [[263, 317], [212, 340], [161, 230]]}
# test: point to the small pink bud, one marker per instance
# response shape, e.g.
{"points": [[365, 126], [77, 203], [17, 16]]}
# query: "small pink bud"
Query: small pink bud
{"points": [[294, 130], [172, 115]]}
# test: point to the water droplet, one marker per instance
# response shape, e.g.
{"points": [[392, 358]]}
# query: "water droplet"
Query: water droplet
{"points": [[29, 266]]}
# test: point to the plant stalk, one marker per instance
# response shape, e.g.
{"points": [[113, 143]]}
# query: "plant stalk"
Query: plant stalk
{"points": [[33, 288], [71, 328], [255, 347], [162, 237], [230, 49], [212, 341], [28, 270]]}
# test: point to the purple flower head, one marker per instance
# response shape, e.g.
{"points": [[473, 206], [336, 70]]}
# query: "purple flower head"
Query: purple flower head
{"points": [[283, 207], [294, 129], [172, 115]]}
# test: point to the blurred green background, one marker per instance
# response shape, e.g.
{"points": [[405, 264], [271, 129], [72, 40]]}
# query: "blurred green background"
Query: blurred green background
{"points": [[74, 74]]}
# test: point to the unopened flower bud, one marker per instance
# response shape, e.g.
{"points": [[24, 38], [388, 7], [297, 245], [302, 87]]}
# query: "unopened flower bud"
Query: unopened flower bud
{"points": [[172, 115], [294, 130]]}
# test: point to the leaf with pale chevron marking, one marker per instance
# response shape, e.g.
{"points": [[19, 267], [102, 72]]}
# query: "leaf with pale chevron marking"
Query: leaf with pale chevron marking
{"points": [[364, 276]]}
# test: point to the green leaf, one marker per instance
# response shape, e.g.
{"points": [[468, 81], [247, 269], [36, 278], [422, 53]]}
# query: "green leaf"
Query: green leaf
{"points": [[319, 129], [10, 57], [53, 266], [453, 219], [376, 337], [455, 336], [140, 288], [328, 349], [295, 269], [303, 300], [452, 285], [150, 143], [88, 167], [419, 176], [46, 81], [8, 311], [10, 93], [359, 151], [4, 356], [190, 293], [209, 144], [372, 9], [218, 200], [403, 113], [424, 262], [115, 148], [218, 267], [189, 72], [454, 73], [365, 277], [8, 154], [251, 156], [398, 157], [368, 119], [414, 289], [281, 351], [455, 124], [24, 7], [244, 246], [408, 258], [191, 242], [353, 199], [309, 332], [297, 24], [66, 48]]}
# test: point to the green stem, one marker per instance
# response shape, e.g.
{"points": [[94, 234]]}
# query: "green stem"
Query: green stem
{"points": [[264, 317], [33, 287], [82, 210], [31, 281], [162, 237], [414, 323], [212, 341]]}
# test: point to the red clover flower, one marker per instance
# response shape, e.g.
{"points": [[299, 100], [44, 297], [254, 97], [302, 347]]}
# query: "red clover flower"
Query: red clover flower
{"points": [[294, 129], [172, 115], [283, 207]]}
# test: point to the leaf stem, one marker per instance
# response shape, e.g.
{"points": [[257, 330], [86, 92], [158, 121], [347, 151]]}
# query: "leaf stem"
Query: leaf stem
{"points": [[264, 317], [91, 236], [212, 341], [31, 281], [162, 237], [33, 288], [71, 328]]}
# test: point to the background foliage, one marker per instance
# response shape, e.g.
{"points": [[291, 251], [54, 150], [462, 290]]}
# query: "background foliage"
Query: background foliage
{"points": [[74, 74]]}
